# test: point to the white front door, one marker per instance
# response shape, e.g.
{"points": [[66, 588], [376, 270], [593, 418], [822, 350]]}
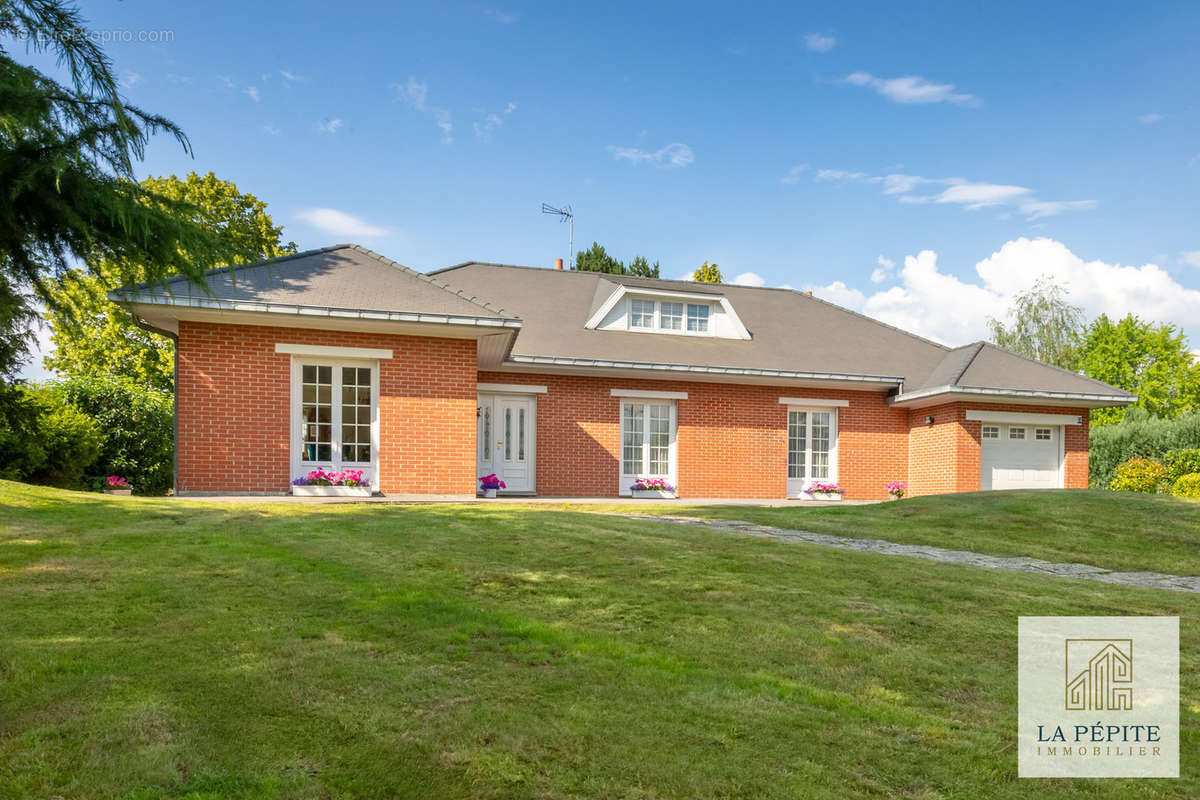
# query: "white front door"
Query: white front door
{"points": [[335, 416], [506, 433], [647, 442], [812, 448], [1020, 456]]}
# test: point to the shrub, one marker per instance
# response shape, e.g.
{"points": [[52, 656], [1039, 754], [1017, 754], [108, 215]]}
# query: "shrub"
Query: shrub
{"points": [[44, 439], [1181, 462], [139, 431], [1143, 475], [1187, 485], [1139, 436]]}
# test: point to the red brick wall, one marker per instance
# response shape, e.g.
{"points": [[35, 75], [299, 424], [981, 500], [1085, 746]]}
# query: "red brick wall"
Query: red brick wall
{"points": [[235, 407], [732, 439], [944, 456]]}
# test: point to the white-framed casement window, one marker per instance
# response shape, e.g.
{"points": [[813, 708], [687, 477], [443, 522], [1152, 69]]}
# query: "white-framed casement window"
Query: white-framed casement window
{"points": [[670, 316], [665, 316], [812, 448], [335, 416], [641, 314], [648, 430]]}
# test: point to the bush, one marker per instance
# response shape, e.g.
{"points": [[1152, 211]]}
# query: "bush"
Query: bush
{"points": [[139, 431], [1181, 462], [1139, 436], [1143, 475], [1187, 485], [44, 439]]}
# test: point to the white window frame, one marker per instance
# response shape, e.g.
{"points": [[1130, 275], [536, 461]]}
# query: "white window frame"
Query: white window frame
{"points": [[796, 486], [706, 319], [682, 316], [995, 429], [671, 476], [1037, 434], [1012, 429], [653, 314], [298, 465], [656, 316]]}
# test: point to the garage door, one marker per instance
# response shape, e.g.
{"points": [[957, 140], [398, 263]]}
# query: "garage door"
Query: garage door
{"points": [[1020, 456]]}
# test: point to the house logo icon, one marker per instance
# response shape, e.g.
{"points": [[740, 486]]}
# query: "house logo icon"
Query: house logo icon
{"points": [[1099, 675]]}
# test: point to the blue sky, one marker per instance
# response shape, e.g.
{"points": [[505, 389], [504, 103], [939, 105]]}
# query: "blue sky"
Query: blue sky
{"points": [[970, 147]]}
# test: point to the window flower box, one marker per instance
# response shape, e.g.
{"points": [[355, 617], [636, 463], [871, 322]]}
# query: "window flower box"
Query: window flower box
{"points": [[319, 483], [652, 489], [825, 491]]}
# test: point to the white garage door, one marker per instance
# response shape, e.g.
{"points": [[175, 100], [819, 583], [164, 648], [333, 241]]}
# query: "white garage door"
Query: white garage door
{"points": [[1020, 456]]}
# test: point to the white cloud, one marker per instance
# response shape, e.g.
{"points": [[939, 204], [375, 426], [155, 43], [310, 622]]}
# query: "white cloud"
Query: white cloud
{"points": [[912, 89], [290, 77], [884, 271], [130, 79], [1043, 208], [980, 195], [959, 191], [271, 130], [252, 93], [673, 155], [839, 175], [819, 43], [502, 17], [749, 279], [226, 81], [340, 223], [1151, 118], [793, 175], [942, 306], [484, 128], [510, 108], [415, 94], [330, 125], [1191, 257]]}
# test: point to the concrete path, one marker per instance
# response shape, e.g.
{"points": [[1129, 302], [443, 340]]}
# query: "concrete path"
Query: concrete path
{"points": [[1149, 580]]}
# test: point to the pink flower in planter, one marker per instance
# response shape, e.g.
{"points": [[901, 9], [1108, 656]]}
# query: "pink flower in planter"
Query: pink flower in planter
{"points": [[117, 482], [492, 482]]}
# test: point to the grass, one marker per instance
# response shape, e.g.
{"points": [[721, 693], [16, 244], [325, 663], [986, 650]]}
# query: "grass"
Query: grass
{"points": [[1116, 530], [164, 648]]}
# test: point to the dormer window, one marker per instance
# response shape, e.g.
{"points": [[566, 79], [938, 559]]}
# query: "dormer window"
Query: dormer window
{"points": [[641, 314], [645, 309], [670, 316]]}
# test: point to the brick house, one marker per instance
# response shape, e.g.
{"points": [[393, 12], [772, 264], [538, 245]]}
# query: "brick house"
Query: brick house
{"points": [[576, 383]]}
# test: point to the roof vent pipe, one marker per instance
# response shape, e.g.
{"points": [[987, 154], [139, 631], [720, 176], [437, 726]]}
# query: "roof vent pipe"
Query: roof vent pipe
{"points": [[558, 263]]}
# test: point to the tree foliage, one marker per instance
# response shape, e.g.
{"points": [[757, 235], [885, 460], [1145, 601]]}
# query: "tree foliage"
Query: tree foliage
{"points": [[708, 273], [94, 336], [66, 170], [597, 259], [1045, 326], [1151, 360]]}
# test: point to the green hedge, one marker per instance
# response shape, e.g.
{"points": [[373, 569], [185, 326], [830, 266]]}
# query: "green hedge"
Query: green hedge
{"points": [[1187, 486], [1139, 436], [74, 433]]}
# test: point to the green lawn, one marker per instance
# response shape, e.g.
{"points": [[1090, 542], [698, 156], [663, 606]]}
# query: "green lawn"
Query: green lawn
{"points": [[164, 648], [1116, 530]]}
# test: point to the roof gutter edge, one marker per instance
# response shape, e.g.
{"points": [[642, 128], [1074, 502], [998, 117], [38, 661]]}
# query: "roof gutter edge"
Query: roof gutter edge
{"points": [[1113, 399], [557, 361], [286, 309]]}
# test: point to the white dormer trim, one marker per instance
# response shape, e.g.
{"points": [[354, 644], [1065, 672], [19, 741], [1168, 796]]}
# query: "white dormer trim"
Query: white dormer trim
{"points": [[622, 291]]}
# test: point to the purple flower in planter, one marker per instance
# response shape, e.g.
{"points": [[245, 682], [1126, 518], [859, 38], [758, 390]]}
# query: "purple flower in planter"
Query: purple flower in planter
{"points": [[489, 482]]}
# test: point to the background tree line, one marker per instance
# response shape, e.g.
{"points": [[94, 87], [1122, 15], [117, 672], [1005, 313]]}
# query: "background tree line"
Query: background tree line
{"points": [[1150, 359]]}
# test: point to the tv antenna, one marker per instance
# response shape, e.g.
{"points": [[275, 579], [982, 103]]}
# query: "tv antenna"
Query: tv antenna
{"points": [[565, 215]]}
